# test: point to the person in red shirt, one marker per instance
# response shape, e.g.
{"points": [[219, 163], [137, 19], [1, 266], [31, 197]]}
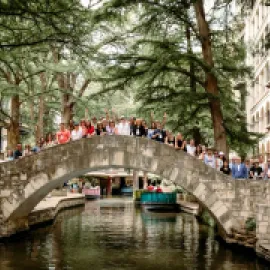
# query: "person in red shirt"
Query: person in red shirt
{"points": [[83, 128], [90, 129], [63, 135]]}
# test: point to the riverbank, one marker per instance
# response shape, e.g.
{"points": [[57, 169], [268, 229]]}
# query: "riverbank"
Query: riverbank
{"points": [[256, 240], [48, 208], [45, 211]]}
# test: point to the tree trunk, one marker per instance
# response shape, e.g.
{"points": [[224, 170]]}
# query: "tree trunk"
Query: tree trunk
{"points": [[211, 84], [67, 104], [192, 81], [196, 134], [67, 83], [13, 131], [32, 112], [46, 121], [40, 123], [41, 109], [67, 113], [64, 82]]}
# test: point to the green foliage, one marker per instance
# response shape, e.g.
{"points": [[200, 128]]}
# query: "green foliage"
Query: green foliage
{"points": [[133, 57], [160, 61], [31, 23], [48, 38], [250, 224], [207, 219]]}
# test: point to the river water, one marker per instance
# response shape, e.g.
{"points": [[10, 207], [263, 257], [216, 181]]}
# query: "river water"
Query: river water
{"points": [[113, 234]]}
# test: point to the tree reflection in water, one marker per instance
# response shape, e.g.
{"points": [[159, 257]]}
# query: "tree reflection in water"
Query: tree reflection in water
{"points": [[113, 234]]}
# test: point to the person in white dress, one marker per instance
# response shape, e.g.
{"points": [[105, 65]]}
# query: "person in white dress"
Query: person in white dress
{"points": [[191, 148], [76, 133], [219, 161], [123, 127]]}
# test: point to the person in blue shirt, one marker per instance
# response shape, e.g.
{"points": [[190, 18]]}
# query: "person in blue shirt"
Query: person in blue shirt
{"points": [[159, 134], [151, 130], [18, 153], [239, 170], [209, 159]]}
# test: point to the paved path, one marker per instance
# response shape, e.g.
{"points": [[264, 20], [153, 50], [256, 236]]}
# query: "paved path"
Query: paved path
{"points": [[52, 202]]}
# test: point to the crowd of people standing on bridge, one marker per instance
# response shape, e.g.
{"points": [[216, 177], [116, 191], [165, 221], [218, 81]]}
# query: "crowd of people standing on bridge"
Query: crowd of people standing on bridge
{"points": [[155, 131]]}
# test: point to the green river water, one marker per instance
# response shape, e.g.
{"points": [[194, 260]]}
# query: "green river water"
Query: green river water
{"points": [[113, 234]]}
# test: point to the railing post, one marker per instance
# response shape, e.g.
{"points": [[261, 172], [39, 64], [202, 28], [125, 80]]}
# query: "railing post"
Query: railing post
{"points": [[135, 180], [145, 180]]}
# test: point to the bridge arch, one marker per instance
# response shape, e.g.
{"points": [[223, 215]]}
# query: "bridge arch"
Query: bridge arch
{"points": [[30, 179]]}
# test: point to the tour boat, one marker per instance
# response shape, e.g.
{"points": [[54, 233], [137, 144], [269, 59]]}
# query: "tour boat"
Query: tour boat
{"points": [[127, 191], [91, 193], [159, 201]]}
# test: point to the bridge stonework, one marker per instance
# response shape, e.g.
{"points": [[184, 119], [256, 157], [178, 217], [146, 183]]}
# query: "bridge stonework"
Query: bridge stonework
{"points": [[25, 182]]}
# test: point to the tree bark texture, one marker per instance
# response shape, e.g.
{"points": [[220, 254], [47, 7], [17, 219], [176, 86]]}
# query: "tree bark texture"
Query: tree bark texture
{"points": [[196, 134], [13, 131], [41, 109], [211, 84], [67, 83], [67, 113], [64, 83]]}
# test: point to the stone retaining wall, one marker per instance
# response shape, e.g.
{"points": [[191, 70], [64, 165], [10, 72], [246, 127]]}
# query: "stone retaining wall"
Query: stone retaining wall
{"points": [[41, 215], [263, 231]]}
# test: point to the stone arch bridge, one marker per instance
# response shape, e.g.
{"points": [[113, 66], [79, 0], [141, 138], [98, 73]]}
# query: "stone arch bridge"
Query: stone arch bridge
{"points": [[25, 182]]}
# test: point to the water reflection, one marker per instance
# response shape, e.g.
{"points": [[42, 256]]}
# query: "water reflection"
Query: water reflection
{"points": [[112, 234]]}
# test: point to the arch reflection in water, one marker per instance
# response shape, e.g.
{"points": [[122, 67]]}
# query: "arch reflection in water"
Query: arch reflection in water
{"points": [[113, 234]]}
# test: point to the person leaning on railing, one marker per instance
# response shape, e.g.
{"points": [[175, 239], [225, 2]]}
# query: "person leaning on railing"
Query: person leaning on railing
{"points": [[239, 169], [63, 135], [266, 172], [225, 168], [256, 171]]}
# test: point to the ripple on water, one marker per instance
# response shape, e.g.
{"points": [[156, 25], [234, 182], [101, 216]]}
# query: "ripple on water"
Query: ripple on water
{"points": [[112, 234]]}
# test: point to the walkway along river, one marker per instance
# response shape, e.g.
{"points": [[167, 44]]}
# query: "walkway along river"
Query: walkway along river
{"points": [[113, 234]]}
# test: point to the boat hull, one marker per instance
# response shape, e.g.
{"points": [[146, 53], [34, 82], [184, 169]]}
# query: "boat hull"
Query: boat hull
{"points": [[161, 207], [91, 193], [127, 191], [159, 202], [92, 197]]}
